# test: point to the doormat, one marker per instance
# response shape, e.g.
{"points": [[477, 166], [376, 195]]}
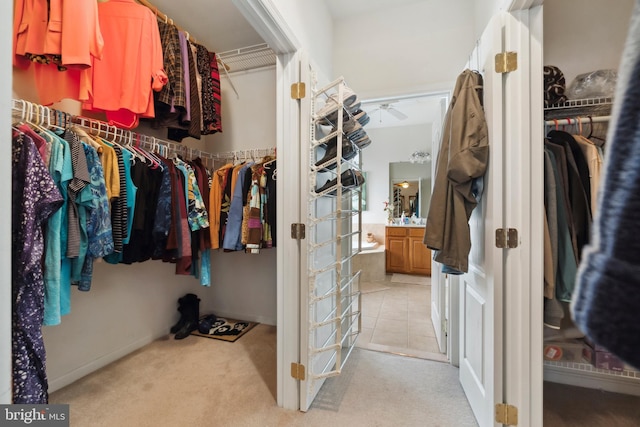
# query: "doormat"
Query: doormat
{"points": [[226, 329]]}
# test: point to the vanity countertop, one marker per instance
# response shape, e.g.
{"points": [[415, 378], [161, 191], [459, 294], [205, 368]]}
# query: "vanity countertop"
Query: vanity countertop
{"points": [[407, 225]]}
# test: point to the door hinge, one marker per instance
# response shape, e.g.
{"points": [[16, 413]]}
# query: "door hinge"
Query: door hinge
{"points": [[506, 62], [506, 238], [298, 371], [298, 231], [506, 414], [298, 90]]}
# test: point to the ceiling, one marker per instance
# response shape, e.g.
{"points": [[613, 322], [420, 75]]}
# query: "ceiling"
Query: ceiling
{"points": [[341, 9], [417, 109], [218, 25]]}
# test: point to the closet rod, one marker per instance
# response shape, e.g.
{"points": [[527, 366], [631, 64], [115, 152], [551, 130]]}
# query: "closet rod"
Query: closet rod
{"points": [[166, 19], [47, 117], [575, 120]]}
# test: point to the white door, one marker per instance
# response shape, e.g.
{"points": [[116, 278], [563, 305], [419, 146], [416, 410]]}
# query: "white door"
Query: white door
{"points": [[438, 279], [329, 289], [481, 288]]}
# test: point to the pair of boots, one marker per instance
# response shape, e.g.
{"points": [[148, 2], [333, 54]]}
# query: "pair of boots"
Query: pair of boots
{"points": [[189, 308]]}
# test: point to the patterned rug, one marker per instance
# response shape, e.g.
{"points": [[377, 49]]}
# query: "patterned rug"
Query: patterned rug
{"points": [[226, 329]]}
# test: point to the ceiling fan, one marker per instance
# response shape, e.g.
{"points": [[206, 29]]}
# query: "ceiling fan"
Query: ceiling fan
{"points": [[403, 184], [389, 108]]}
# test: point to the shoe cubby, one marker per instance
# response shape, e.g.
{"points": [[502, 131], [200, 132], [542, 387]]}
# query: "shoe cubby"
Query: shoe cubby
{"points": [[334, 223]]}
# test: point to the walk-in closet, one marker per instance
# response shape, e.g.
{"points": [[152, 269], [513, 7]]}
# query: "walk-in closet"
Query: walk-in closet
{"points": [[584, 61], [129, 306]]}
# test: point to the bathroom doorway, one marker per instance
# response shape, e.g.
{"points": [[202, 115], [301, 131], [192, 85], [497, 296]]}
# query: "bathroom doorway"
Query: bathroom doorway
{"points": [[396, 307]]}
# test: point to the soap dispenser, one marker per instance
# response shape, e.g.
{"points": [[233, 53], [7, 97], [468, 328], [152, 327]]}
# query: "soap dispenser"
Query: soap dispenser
{"points": [[404, 219]]}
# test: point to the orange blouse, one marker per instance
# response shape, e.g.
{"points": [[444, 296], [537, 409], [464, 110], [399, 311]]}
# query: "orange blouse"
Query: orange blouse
{"points": [[131, 67]]}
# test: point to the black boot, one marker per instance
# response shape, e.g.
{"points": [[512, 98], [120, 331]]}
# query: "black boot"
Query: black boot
{"points": [[191, 316], [181, 303]]}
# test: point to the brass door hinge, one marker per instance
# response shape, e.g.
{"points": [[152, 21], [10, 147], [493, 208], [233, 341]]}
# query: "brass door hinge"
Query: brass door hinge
{"points": [[506, 238], [506, 414], [506, 62], [298, 231], [298, 90], [298, 371]]}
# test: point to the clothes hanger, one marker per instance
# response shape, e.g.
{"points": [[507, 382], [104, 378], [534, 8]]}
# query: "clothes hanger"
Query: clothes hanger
{"points": [[600, 141]]}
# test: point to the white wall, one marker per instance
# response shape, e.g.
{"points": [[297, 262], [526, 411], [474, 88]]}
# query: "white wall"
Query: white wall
{"points": [[249, 119], [597, 45], [394, 144], [132, 305], [415, 47], [312, 24]]}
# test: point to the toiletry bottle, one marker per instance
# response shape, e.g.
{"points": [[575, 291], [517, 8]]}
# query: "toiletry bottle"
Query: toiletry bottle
{"points": [[403, 218]]}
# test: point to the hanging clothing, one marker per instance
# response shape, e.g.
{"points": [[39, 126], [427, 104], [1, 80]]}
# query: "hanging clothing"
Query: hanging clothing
{"points": [[132, 43], [99, 230], [606, 303], [216, 126], [34, 199], [462, 160], [60, 53], [204, 69], [61, 172], [171, 100], [232, 238], [270, 216], [216, 196], [595, 165]]}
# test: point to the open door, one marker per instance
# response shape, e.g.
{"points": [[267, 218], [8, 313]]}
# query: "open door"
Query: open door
{"points": [[481, 288], [439, 307], [329, 289]]}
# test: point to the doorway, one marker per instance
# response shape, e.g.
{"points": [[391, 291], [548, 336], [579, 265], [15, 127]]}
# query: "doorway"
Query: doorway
{"points": [[397, 307]]}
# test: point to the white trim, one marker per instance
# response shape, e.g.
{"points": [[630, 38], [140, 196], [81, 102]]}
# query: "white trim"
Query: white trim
{"points": [[288, 271], [6, 13], [265, 18], [522, 151], [536, 171]]}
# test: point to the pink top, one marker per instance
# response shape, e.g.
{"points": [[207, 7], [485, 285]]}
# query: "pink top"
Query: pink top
{"points": [[131, 67]]}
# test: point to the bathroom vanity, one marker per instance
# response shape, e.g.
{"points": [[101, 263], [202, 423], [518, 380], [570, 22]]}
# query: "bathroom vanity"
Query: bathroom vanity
{"points": [[405, 252]]}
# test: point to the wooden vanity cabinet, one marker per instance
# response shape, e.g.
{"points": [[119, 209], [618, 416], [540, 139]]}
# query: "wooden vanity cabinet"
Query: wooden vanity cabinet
{"points": [[405, 252]]}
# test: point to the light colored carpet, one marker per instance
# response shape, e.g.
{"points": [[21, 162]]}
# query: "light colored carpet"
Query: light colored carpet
{"points": [[409, 278], [199, 382]]}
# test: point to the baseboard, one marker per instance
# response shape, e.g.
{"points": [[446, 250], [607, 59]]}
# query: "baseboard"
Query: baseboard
{"points": [[70, 377], [594, 380]]}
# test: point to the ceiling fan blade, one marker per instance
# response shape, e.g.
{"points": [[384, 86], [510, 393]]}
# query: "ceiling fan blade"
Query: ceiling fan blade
{"points": [[397, 113]]}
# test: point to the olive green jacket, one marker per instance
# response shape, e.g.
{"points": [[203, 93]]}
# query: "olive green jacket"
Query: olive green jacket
{"points": [[463, 157]]}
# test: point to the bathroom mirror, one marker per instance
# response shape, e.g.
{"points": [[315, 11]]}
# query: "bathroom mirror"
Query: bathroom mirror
{"points": [[409, 188]]}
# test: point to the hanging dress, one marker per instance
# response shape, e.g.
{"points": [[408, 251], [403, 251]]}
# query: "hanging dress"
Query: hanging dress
{"points": [[35, 198]]}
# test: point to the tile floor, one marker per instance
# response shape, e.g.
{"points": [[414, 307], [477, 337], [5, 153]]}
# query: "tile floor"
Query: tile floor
{"points": [[396, 318]]}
